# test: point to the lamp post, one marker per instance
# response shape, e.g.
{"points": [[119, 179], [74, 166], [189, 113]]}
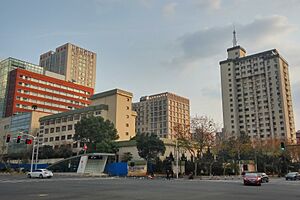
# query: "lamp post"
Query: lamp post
{"points": [[177, 157]]}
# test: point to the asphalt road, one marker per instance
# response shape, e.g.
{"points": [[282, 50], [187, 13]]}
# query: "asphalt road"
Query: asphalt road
{"points": [[60, 187]]}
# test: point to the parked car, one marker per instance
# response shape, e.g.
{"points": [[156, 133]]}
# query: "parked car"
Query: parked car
{"points": [[292, 176], [264, 177], [252, 179], [40, 173]]}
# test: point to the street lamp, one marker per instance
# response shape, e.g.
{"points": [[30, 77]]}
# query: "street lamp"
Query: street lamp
{"points": [[177, 157]]}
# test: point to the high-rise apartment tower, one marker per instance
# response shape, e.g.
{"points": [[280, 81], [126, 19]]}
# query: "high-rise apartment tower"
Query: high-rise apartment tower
{"points": [[78, 65], [256, 95]]}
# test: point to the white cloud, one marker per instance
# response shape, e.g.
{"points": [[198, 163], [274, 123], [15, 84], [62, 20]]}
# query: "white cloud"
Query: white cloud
{"points": [[268, 32], [169, 9], [210, 4]]}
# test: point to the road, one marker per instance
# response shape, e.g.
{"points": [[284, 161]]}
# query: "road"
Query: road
{"points": [[63, 187]]}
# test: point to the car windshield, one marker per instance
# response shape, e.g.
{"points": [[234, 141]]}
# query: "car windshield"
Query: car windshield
{"points": [[251, 175]]}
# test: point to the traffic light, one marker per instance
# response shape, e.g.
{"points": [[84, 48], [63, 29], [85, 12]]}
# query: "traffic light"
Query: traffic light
{"points": [[8, 138], [282, 146], [19, 139], [28, 141]]}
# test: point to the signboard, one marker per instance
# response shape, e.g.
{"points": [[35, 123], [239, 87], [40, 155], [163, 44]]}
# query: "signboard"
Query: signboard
{"points": [[137, 169]]}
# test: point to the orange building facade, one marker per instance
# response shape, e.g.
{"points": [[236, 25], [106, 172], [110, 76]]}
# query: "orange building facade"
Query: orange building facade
{"points": [[29, 91]]}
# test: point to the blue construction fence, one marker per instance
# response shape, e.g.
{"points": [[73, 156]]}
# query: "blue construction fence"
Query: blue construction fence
{"points": [[25, 167], [116, 169]]}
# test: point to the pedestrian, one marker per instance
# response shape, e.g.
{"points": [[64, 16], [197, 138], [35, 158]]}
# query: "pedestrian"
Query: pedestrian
{"points": [[168, 174], [191, 176]]}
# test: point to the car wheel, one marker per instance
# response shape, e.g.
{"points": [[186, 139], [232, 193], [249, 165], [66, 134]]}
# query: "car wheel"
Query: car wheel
{"points": [[286, 179], [28, 176], [41, 176], [267, 181]]}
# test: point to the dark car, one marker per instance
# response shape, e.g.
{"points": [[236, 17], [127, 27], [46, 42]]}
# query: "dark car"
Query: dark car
{"points": [[292, 176], [264, 177], [252, 179]]}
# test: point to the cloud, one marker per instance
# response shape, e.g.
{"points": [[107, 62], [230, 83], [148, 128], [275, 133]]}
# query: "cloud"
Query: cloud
{"points": [[209, 4], [266, 32], [169, 9]]}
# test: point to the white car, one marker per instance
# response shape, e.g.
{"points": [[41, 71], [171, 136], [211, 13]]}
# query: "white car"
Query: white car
{"points": [[40, 173]]}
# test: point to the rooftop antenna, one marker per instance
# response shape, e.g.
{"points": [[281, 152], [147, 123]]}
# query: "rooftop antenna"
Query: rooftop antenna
{"points": [[234, 41]]}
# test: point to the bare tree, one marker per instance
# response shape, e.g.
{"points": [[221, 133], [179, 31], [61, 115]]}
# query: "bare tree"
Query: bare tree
{"points": [[197, 138]]}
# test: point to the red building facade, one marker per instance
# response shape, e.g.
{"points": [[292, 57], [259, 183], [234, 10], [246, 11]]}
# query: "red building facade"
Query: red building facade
{"points": [[29, 91]]}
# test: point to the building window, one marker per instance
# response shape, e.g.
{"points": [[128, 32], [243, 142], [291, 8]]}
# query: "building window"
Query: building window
{"points": [[58, 121], [75, 145], [69, 137], [76, 117], [51, 139], [64, 119], [63, 137], [70, 127], [63, 128], [57, 129], [45, 139], [51, 130], [57, 138], [46, 131]]}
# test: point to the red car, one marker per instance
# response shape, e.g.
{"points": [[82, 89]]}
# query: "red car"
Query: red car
{"points": [[252, 179]]}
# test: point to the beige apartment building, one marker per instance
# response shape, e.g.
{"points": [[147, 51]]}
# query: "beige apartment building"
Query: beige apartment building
{"points": [[256, 95], [78, 65], [114, 105], [160, 113]]}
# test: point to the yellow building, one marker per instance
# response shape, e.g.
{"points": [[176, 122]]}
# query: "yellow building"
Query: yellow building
{"points": [[119, 111], [113, 105]]}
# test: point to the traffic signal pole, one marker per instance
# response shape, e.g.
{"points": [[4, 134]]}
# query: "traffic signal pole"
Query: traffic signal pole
{"points": [[33, 148], [32, 156]]}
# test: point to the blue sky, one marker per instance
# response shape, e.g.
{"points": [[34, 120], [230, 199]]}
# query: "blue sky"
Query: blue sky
{"points": [[153, 46]]}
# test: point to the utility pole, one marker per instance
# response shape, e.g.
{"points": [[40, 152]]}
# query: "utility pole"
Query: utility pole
{"points": [[177, 157]]}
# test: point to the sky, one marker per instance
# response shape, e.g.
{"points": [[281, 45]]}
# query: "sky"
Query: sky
{"points": [[153, 46]]}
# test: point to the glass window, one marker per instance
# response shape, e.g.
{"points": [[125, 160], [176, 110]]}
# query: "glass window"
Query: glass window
{"points": [[70, 127]]}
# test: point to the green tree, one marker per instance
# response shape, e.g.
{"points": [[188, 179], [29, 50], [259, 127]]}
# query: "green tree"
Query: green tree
{"points": [[127, 156], [149, 146], [63, 152], [98, 134], [46, 152]]}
